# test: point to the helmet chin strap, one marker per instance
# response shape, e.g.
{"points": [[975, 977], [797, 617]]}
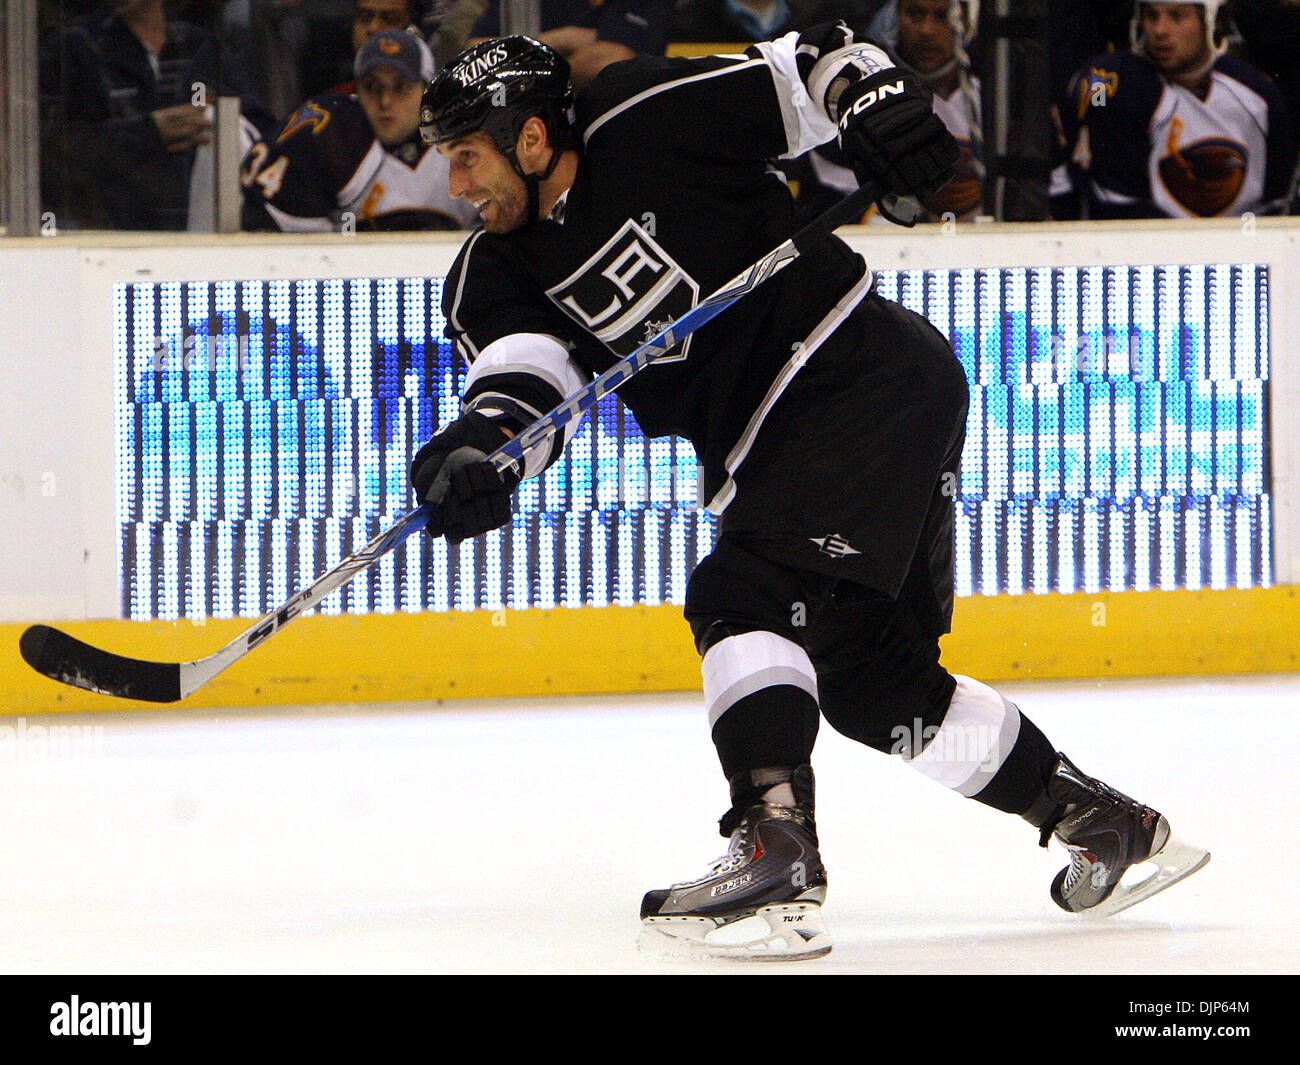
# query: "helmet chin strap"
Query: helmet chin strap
{"points": [[533, 182]]}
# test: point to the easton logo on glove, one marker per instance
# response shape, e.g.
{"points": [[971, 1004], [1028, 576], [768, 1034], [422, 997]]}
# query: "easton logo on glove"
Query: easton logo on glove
{"points": [[870, 97]]}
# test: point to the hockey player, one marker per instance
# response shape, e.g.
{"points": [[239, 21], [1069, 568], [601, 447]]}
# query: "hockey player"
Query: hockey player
{"points": [[829, 423], [1175, 128], [356, 162]]}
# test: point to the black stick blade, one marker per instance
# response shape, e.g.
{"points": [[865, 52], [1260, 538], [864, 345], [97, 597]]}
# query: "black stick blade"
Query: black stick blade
{"points": [[70, 661]]}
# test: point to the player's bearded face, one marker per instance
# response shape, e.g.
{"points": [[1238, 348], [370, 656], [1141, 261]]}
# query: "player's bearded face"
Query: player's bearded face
{"points": [[1175, 36], [482, 176]]}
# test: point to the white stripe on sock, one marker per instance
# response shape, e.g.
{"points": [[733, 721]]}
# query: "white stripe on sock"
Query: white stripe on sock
{"points": [[973, 741], [741, 665]]}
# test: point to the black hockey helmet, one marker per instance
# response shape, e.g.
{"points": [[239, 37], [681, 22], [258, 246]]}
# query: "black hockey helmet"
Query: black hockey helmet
{"points": [[496, 86]]}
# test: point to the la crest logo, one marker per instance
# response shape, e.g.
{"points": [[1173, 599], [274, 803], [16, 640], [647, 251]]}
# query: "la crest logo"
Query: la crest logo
{"points": [[628, 292]]}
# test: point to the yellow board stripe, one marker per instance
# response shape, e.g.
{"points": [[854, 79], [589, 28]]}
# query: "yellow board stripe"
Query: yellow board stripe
{"points": [[383, 657], [1126, 634], [693, 49]]}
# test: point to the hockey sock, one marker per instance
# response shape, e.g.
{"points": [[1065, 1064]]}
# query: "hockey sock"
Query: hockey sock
{"points": [[773, 726], [762, 710], [1022, 777], [986, 750]]}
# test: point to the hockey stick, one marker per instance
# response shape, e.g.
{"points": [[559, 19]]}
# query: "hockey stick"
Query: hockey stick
{"points": [[71, 661]]}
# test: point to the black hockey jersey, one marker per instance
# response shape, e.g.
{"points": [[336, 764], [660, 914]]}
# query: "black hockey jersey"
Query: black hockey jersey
{"points": [[325, 170], [674, 196]]}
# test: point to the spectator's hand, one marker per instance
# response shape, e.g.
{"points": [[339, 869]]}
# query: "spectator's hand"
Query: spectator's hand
{"points": [[182, 127], [568, 39]]}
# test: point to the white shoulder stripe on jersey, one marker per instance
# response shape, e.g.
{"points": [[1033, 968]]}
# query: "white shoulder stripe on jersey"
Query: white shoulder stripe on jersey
{"points": [[801, 355], [741, 64], [806, 123]]}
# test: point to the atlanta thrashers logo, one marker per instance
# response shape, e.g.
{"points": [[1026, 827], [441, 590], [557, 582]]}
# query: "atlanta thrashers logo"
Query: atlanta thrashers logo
{"points": [[1205, 176], [310, 116], [1097, 89], [627, 292]]}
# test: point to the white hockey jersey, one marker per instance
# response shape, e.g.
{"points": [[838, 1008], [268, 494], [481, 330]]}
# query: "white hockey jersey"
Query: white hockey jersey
{"points": [[326, 171], [1149, 147]]}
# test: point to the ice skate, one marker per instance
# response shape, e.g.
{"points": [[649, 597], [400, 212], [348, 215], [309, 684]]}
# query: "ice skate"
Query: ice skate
{"points": [[1107, 834], [760, 901]]}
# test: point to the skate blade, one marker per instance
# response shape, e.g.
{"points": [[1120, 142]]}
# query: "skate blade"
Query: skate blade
{"points": [[791, 931], [1174, 861]]}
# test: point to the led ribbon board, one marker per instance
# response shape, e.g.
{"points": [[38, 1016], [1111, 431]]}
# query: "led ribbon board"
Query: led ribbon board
{"points": [[1117, 439]]}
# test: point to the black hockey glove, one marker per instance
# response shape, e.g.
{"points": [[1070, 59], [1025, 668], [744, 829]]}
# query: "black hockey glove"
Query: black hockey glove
{"points": [[471, 496], [892, 136]]}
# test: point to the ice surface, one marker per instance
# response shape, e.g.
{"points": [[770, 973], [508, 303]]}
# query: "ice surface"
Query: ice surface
{"points": [[519, 837]]}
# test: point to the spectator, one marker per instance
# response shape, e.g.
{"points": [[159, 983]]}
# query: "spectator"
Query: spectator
{"points": [[932, 40], [370, 17], [449, 25], [333, 44], [343, 162], [124, 98], [931, 37], [736, 21], [591, 34], [1148, 138]]}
